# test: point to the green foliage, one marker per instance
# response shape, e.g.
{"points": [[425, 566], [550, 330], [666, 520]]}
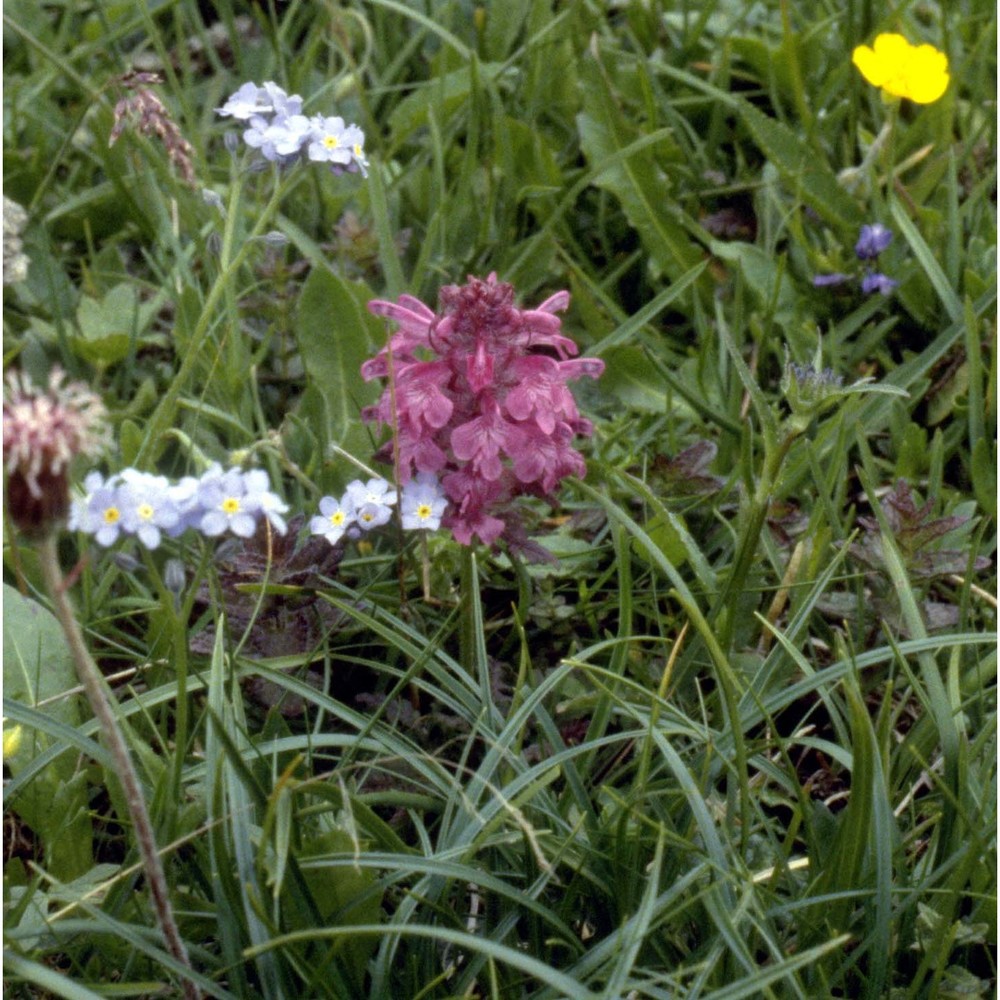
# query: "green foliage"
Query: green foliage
{"points": [[38, 671], [335, 334], [738, 738]]}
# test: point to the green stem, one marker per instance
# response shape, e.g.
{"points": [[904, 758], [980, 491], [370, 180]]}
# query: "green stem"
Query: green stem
{"points": [[162, 418], [774, 457], [101, 704]]}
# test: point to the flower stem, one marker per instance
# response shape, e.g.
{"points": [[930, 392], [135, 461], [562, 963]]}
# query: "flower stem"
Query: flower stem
{"points": [[163, 417], [101, 704]]}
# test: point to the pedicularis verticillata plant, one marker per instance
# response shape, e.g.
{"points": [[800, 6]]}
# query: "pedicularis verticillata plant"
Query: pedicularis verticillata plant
{"points": [[477, 395]]}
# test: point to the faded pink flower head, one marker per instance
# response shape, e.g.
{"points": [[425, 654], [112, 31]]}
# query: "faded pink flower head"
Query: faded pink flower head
{"points": [[481, 401], [43, 430]]}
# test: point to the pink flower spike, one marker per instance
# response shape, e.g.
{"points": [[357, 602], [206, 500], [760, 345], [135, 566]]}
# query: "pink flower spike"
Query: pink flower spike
{"points": [[580, 367], [419, 392], [413, 323], [481, 399], [539, 393]]}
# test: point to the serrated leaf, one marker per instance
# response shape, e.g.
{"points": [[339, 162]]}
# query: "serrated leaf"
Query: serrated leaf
{"points": [[806, 173]]}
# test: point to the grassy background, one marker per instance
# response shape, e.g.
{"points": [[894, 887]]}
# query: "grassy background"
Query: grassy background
{"points": [[741, 739]]}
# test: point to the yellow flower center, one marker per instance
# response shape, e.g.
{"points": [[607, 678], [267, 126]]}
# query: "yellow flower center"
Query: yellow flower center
{"points": [[358, 149], [337, 518], [231, 505], [111, 515], [145, 512], [423, 511], [330, 141], [367, 516]]}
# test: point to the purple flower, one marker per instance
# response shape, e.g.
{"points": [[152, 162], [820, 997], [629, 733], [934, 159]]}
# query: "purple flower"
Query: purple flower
{"points": [[873, 240], [828, 280], [482, 400], [875, 282]]}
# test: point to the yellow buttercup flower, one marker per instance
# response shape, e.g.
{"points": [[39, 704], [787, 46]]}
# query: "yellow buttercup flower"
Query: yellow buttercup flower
{"points": [[917, 72]]}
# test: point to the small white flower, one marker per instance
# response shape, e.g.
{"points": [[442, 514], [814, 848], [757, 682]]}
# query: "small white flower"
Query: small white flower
{"points": [[248, 101], [104, 514], [259, 496], [281, 103], [330, 143], [334, 518], [423, 503], [80, 516], [354, 139], [146, 506], [225, 504]]}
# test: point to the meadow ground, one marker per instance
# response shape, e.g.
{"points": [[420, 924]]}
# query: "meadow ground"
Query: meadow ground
{"points": [[677, 682]]}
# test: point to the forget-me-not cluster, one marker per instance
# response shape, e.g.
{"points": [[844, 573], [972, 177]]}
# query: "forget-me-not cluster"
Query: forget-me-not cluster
{"points": [[278, 129]]}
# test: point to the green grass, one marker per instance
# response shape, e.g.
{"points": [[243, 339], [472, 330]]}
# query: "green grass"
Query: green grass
{"points": [[740, 739]]}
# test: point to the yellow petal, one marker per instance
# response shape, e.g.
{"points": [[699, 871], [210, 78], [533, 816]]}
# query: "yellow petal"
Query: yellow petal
{"points": [[919, 73], [894, 53], [891, 48], [870, 65], [927, 74]]}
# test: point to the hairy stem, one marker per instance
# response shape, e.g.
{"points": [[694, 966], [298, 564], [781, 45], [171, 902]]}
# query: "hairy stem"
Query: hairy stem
{"points": [[101, 704]]}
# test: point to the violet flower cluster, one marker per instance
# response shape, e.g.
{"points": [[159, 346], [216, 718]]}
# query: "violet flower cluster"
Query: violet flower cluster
{"points": [[873, 240], [150, 506], [481, 400], [369, 505], [277, 127]]}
